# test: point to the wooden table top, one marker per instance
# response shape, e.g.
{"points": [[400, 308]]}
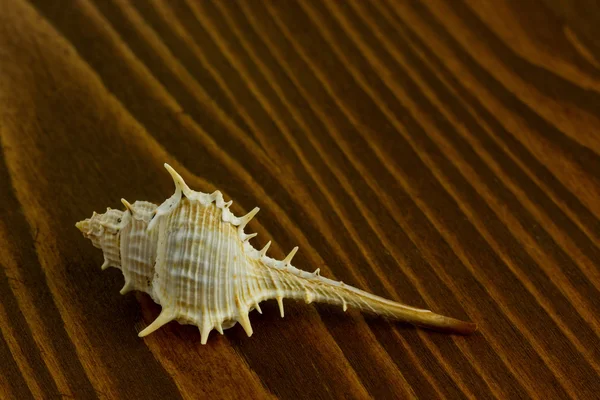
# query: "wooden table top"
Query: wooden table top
{"points": [[444, 154]]}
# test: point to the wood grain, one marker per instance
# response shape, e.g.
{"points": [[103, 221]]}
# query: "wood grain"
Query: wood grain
{"points": [[445, 154]]}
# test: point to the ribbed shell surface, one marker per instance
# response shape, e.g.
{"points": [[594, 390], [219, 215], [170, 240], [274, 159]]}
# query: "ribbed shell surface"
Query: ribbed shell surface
{"points": [[107, 236], [198, 254], [138, 249]]}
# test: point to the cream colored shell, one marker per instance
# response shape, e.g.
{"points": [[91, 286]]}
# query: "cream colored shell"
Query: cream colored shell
{"points": [[192, 256]]}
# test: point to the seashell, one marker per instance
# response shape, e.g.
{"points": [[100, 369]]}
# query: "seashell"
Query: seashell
{"points": [[192, 256]]}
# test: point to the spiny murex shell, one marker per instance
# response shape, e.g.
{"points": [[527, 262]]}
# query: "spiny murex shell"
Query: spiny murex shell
{"points": [[192, 256]]}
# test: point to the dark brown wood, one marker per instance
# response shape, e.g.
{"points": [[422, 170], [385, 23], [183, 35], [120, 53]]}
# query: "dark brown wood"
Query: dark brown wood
{"points": [[445, 154]]}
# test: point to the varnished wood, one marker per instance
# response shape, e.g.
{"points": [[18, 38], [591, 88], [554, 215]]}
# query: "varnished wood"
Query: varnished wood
{"points": [[445, 154]]}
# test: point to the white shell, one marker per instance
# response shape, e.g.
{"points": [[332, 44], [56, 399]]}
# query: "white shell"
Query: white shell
{"points": [[192, 256]]}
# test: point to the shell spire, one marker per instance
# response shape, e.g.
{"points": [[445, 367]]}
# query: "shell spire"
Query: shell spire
{"points": [[192, 256]]}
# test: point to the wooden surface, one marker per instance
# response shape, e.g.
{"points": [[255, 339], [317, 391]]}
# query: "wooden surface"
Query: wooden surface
{"points": [[445, 154]]}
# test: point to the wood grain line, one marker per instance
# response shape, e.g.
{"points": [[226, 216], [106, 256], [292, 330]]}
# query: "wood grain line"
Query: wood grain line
{"points": [[446, 145], [543, 219], [281, 125], [443, 154], [21, 354], [580, 17], [12, 382], [592, 359], [347, 63], [16, 289], [262, 99], [182, 120], [389, 288], [537, 133], [37, 308], [542, 352], [136, 138], [581, 304], [141, 368], [319, 150], [557, 136], [480, 142], [223, 357], [579, 101], [194, 56], [175, 69], [233, 165], [265, 196], [178, 349], [565, 62], [380, 191], [97, 370], [580, 47], [500, 142]]}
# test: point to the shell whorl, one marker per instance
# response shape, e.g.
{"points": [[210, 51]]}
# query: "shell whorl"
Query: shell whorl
{"points": [[192, 256]]}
